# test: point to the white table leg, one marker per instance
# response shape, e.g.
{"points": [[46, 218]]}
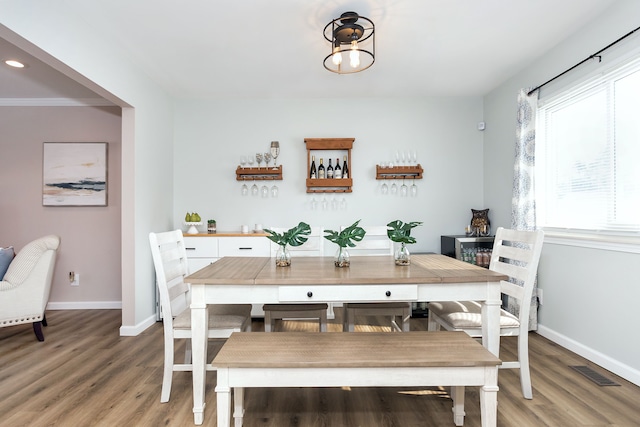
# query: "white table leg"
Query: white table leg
{"points": [[491, 319], [238, 406], [223, 394], [489, 398], [199, 316], [457, 395]]}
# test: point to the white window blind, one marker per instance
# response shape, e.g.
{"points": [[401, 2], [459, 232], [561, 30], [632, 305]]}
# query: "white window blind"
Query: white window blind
{"points": [[588, 155]]}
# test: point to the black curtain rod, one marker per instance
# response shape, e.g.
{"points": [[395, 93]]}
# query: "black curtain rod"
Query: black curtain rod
{"points": [[595, 55]]}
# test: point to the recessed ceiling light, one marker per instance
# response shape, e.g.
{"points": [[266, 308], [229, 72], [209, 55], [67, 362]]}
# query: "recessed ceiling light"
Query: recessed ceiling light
{"points": [[14, 63]]}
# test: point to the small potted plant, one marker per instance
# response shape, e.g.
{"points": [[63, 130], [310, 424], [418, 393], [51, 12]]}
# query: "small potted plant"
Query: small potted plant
{"points": [[344, 238], [400, 232], [211, 226], [295, 236]]}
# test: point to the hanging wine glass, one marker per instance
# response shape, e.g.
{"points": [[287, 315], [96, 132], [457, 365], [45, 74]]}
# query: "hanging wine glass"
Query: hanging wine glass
{"points": [[275, 152], [267, 159], [254, 189], [245, 189], [264, 191], [274, 190], [384, 189], [394, 189], [259, 158], [404, 190], [414, 189]]}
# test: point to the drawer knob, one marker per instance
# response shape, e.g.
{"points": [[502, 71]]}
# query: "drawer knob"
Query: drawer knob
{"points": [[388, 293], [309, 294]]}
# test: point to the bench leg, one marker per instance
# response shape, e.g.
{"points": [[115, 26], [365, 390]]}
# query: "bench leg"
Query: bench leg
{"points": [[238, 406], [223, 394], [457, 395], [489, 398]]}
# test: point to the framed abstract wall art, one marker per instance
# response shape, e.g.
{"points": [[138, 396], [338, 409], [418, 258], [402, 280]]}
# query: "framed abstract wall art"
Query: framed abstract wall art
{"points": [[74, 174]]}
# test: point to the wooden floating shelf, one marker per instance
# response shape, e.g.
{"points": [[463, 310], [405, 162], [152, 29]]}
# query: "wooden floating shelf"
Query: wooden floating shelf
{"points": [[259, 174], [342, 185], [399, 172]]}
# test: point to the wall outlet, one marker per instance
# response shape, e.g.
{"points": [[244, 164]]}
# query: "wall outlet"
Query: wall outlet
{"points": [[539, 293], [74, 279]]}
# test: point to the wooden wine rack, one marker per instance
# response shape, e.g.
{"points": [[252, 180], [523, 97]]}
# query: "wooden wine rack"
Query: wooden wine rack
{"points": [[399, 172], [341, 185], [259, 174]]}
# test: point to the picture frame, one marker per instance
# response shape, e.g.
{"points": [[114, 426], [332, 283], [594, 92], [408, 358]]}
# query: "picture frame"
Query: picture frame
{"points": [[74, 174]]}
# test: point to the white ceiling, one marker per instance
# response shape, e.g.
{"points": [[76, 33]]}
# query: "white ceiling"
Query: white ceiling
{"points": [[275, 48]]}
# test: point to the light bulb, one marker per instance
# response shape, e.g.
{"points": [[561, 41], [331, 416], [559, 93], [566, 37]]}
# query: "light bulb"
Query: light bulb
{"points": [[337, 56], [354, 55]]}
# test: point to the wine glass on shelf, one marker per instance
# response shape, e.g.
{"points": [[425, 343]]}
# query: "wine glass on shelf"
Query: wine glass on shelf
{"points": [[259, 158], [243, 161], [250, 161], [267, 159], [275, 152], [414, 159]]}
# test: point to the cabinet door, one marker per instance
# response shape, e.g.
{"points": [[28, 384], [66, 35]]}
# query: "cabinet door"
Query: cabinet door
{"points": [[244, 246], [201, 251]]}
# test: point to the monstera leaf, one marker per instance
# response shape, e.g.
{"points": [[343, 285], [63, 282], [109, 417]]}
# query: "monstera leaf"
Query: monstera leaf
{"points": [[400, 232], [346, 237], [294, 236]]}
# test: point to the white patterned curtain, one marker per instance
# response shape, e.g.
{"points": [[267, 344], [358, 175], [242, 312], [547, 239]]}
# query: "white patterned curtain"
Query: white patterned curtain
{"points": [[523, 204]]}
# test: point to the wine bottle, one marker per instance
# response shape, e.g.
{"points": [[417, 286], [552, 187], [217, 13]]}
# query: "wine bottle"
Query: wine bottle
{"points": [[329, 170], [345, 168], [312, 171], [337, 172], [321, 170]]}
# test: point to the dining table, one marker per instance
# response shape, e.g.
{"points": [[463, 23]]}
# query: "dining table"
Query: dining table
{"points": [[257, 280]]}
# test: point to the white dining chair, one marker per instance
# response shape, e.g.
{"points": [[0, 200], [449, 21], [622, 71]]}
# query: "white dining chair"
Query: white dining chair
{"points": [[170, 262], [516, 254], [376, 243], [314, 246]]}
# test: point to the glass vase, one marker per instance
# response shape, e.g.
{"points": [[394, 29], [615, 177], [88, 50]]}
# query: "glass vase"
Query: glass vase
{"points": [[342, 258], [402, 255], [283, 257]]}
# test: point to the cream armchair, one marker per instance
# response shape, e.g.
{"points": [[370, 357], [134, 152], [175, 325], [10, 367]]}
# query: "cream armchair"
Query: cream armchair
{"points": [[24, 291]]}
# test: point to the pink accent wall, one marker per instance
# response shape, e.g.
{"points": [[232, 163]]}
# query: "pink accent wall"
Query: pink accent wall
{"points": [[91, 242]]}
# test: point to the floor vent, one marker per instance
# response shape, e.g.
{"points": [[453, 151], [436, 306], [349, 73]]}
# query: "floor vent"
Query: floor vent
{"points": [[593, 375]]}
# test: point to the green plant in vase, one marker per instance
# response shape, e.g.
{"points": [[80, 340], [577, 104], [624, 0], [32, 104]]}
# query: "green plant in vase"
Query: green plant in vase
{"points": [[344, 238], [400, 232], [294, 236]]}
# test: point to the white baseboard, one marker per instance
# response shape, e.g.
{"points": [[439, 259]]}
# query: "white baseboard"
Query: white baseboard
{"points": [[85, 305], [132, 331], [625, 371]]}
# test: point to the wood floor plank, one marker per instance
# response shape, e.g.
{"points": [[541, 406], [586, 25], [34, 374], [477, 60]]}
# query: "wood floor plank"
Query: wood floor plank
{"points": [[85, 374]]}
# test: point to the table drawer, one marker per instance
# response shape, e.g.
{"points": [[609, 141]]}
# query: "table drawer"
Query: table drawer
{"points": [[244, 246], [344, 293], [201, 247]]}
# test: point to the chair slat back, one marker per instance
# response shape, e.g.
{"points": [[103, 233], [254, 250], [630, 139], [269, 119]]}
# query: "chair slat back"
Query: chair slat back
{"points": [[517, 254], [314, 246], [375, 242], [170, 263]]}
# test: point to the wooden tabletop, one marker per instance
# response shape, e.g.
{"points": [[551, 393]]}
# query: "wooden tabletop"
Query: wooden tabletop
{"points": [[426, 268], [351, 350]]}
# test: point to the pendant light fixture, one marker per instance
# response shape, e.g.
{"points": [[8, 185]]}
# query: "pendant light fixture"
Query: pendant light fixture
{"points": [[353, 44]]}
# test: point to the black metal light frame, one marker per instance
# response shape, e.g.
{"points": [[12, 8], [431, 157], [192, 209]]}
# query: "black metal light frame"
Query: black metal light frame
{"points": [[340, 32]]}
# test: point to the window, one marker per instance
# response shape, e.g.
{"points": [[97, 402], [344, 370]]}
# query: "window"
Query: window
{"points": [[588, 156]]}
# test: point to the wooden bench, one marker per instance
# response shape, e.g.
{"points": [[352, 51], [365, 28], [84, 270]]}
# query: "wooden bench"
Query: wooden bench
{"points": [[368, 359]]}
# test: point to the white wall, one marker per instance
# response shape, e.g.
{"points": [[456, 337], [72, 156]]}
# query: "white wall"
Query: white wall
{"points": [[56, 35], [210, 137], [90, 235], [590, 295]]}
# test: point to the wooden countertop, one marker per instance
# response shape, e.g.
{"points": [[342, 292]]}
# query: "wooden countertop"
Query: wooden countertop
{"points": [[227, 234]]}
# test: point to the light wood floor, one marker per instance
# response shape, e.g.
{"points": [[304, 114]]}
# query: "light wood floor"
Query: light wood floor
{"points": [[85, 374]]}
